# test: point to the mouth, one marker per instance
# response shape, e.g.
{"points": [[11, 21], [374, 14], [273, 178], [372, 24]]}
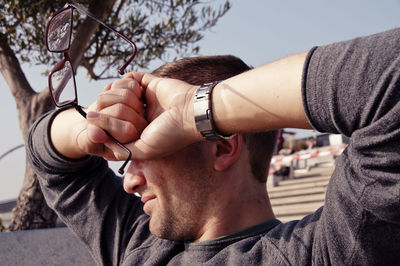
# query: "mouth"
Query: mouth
{"points": [[145, 199], [148, 203]]}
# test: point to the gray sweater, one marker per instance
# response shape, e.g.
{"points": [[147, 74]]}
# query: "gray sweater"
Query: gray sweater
{"points": [[351, 88]]}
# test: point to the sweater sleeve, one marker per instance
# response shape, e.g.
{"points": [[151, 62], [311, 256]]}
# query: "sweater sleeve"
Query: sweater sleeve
{"points": [[87, 196], [353, 88]]}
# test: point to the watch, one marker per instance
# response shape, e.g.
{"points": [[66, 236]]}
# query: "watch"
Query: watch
{"points": [[202, 110]]}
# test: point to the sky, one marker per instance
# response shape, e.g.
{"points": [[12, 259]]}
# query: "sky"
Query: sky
{"points": [[257, 31]]}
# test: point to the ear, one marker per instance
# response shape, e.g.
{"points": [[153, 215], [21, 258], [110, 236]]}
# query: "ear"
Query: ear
{"points": [[226, 152]]}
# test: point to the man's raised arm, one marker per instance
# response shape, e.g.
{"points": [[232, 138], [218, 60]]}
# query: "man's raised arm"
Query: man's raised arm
{"points": [[265, 98]]}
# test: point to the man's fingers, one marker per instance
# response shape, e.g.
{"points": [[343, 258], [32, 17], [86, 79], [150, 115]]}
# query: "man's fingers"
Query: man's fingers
{"points": [[128, 84], [107, 87], [122, 112], [143, 78], [123, 131], [90, 141], [120, 96], [117, 153]]}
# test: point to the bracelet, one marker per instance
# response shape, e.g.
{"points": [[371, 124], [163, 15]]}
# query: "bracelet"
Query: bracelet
{"points": [[202, 110]]}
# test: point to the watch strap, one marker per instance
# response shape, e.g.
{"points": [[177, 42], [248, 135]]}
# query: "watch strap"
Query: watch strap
{"points": [[202, 110]]}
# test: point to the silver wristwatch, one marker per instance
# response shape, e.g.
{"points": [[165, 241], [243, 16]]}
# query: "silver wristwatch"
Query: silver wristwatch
{"points": [[203, 112]]}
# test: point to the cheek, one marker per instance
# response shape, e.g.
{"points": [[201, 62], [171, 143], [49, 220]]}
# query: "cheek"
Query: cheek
{"points": [[177, 176], [155, 176], [160, 171]]}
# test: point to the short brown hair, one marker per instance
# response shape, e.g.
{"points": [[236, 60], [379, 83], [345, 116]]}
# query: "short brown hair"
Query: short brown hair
{"points": [[203, 69]]}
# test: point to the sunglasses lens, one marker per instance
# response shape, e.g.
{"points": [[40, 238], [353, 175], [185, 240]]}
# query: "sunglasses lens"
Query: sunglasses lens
{"points": [[59, 31], [62, 85]]}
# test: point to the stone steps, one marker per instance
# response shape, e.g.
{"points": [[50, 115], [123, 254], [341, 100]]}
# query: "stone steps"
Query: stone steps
{"points": [[295, 198], [301, 182], [283, 201]]}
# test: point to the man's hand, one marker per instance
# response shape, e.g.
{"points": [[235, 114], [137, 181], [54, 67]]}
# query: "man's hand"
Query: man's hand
{"points": [[265, 98], [119, 110], [169, 111]]}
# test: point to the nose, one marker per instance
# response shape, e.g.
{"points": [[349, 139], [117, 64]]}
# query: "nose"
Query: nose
{"points": [[132, 183], [133, 180]]}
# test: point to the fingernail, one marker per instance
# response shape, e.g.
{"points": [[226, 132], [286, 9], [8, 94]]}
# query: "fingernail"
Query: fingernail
{"points": [[92, 115], [107, 87]]}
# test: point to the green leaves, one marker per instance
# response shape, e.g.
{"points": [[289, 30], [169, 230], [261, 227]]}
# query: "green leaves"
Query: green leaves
{"points": [[162, 30]]}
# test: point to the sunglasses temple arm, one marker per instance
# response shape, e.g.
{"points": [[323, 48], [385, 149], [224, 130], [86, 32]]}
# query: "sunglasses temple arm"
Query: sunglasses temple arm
{"points": [[80, 110], [82, 9], [121, 169], [121, 71]]}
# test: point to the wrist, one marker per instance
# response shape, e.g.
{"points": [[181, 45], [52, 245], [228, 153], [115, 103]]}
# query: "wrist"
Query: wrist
{"points": [[203, 113], [189, 115], [63, 133]]}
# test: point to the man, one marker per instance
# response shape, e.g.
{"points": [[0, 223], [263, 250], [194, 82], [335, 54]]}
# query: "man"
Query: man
{"points": [[204, 191], [350, 87]]}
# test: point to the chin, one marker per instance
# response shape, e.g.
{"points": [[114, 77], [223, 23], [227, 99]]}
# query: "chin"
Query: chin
{"points": [[169, 233], [162, 232], [168, 225]]}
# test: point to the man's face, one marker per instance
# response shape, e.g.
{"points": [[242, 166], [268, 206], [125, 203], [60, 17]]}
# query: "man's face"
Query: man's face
{"points": [[177, 191]]}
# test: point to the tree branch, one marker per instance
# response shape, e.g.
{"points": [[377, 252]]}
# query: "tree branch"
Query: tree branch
{"points": [[12, 72], [100, 9]]}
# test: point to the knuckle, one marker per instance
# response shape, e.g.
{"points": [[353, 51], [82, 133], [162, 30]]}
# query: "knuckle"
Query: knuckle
{"points": [[103, 120], [101, 99], [131, 84], [130, 132], [120, 109], [116, 84], [125, 94]]}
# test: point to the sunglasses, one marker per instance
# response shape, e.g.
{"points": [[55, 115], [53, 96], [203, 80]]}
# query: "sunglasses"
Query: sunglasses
{"points": [[62, 82]]}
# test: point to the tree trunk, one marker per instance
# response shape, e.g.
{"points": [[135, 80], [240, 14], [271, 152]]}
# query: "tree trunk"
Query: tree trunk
{"points": [[31, 210]]}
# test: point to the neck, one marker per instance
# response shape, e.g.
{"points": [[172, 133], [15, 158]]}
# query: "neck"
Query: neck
{"points": [[245, 207]]}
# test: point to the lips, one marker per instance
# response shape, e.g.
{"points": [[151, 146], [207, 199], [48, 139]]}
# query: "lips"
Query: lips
{"points": [[145, 199], [148, 206]]}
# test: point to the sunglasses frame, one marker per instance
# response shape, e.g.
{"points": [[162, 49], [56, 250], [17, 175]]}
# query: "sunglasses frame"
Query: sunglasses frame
{"points": [[74, 102]]}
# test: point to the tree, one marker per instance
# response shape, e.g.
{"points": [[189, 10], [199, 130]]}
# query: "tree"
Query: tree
{"points": [[160, 29]]}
